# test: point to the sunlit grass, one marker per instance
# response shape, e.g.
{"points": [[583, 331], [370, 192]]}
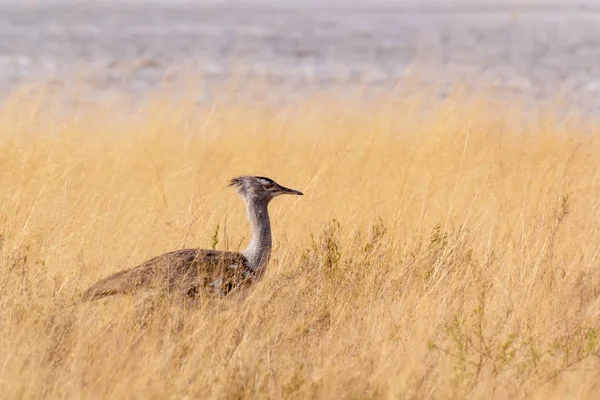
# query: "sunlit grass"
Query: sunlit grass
{"points": [[438, 252]]}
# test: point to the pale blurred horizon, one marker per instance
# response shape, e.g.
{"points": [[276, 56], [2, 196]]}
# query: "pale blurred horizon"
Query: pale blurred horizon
{"points": [[531, 49]]}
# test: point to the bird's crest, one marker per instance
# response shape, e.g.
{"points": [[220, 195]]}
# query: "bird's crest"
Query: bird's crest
{"points": [[237, 181]]}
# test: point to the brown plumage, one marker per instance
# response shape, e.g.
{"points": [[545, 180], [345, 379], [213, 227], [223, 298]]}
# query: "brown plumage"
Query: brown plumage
{"points": [[194, 271], [187, 271]]}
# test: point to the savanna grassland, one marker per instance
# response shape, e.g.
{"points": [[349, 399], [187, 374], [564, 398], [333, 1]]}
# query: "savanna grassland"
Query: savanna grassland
{"points": [[446, 251]]}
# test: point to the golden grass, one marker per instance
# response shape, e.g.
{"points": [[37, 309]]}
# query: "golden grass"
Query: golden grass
{"points": [[438, 252]]}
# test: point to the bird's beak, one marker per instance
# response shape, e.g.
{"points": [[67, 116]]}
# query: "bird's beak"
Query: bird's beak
{"points": [[285, 190]]}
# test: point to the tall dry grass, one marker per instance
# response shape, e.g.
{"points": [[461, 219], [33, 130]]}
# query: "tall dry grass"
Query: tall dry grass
{"points": [[438, 252]]}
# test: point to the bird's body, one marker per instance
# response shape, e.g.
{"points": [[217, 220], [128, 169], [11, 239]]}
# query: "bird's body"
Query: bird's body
{"points": [[194, 271], [186, 271]]}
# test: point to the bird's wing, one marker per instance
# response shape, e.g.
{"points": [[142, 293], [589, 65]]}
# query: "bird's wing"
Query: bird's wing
{"points": [[180, 270]]}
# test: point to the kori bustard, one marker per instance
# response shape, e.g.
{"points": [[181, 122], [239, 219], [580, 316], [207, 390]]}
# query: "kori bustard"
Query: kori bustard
{"points": [[191, 271]]}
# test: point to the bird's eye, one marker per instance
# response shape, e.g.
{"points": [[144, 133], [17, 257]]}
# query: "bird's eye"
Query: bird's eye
{"points": [[267, 185]]}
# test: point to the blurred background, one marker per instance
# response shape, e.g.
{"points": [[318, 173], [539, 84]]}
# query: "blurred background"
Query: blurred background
{"points": [[536, 50]]}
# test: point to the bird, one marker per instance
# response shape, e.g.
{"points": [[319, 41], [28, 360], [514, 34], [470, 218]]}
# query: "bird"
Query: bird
{"points": [[191, 272]]}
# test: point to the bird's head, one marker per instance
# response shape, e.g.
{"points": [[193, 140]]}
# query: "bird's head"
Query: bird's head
{"points": [[260, 188]]}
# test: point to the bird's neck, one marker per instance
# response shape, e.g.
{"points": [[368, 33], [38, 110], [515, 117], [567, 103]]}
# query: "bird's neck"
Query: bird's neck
{"points": [[259, 250]]}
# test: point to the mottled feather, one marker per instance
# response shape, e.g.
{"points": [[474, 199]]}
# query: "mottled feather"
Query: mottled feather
{"points": [[187, 271]]}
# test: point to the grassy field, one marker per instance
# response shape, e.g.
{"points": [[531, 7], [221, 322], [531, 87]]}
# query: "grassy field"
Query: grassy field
{"points": [[439, 252]]}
